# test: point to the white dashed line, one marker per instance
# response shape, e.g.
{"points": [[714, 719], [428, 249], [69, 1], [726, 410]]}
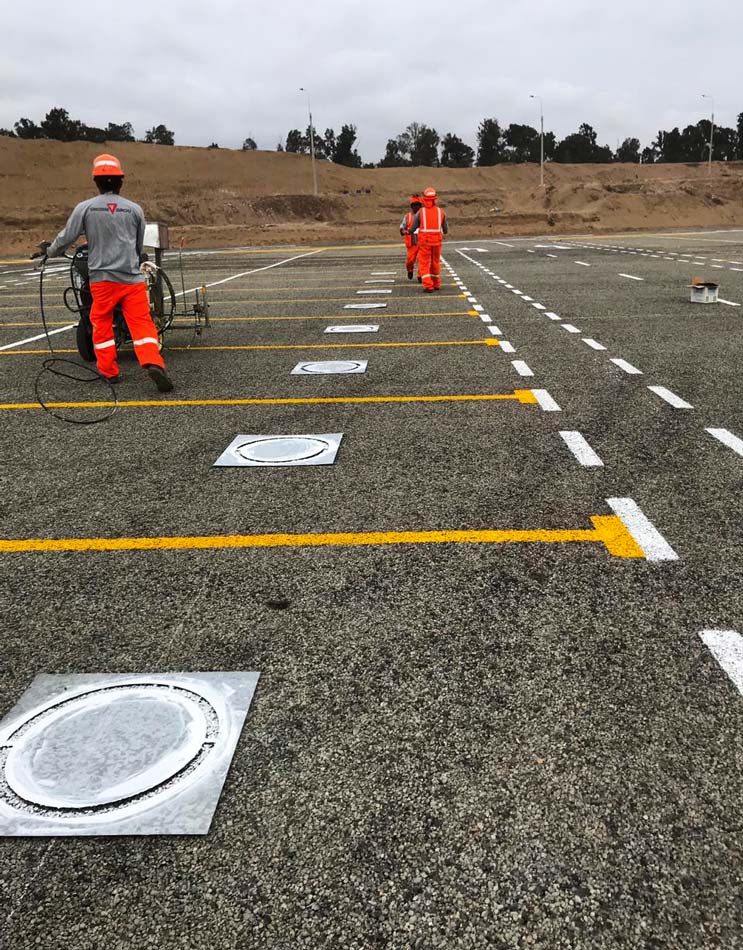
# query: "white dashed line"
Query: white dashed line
{"points": [[546, 401], [631, 277], [552, 316], [726, 646], [495, 330], [654, 546], [521, 368], [485, 318], [570, 328], [727, 438], [627, 367], [33, 339], [582, 263], [581, 449], [671, 398], [477, 308], [539, 306], [507, 347], [503, 244], [594, 344], [528, 299]]}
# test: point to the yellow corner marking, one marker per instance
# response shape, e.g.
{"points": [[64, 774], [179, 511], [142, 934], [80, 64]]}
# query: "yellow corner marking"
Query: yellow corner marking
{"points": [[604, 533], [526, 397], [616, 538], [292, 401]]}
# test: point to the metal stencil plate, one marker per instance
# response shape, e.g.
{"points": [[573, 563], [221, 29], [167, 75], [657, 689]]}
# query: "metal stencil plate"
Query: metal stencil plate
{"points": [[120, 754], [330, 368], [280, 451], [363, 306], [353, 328]]}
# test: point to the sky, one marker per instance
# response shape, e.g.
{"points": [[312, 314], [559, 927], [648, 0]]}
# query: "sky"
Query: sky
{"points": [[220, 70]]}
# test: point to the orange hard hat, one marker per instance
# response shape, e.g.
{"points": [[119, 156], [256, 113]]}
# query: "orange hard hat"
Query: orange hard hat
{"points": [[415, 198], [107, 165], [430, 193]]}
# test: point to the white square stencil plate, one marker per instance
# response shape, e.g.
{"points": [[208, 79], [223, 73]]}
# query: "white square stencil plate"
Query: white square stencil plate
{"points": [[330, 368], [280, 451], [120, 754], [353, 328]]}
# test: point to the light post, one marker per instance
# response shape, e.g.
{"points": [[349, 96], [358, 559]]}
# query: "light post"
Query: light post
{"points": [[541, 139], [312, 140], [711, 129]]}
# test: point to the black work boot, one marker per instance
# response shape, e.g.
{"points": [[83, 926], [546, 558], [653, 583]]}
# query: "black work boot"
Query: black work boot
{"points": [[410, 275], [160, 378]]}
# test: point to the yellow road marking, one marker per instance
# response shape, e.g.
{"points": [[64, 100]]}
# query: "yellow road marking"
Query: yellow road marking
{"points": [[299, 301], [608, 530], [288, 346], [523, 396]]}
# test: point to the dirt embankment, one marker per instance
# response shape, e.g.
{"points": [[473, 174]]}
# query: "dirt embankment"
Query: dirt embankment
{"points": [[220, 197]]}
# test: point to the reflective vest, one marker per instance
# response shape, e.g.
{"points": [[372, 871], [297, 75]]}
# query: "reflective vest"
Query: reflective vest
{"points": [[431, 230]]}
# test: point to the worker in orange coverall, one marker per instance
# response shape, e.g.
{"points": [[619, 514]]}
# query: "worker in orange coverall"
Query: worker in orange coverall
{"points": [[411, 239], [430, 225]]}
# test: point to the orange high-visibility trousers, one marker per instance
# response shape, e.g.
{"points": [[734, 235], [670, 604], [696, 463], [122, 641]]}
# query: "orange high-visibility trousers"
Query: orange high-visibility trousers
{"points": [[136, 309], [411, 258], [429, 265]]}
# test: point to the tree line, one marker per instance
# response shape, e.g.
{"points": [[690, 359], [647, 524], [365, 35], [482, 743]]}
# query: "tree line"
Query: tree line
{"points": [[419, 144]]}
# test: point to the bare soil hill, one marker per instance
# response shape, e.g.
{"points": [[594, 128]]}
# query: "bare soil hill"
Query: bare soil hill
{"points": [[219, 197]]}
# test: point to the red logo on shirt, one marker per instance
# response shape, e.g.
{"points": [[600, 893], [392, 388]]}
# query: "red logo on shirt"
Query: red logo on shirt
{"points": [[112, 206]]}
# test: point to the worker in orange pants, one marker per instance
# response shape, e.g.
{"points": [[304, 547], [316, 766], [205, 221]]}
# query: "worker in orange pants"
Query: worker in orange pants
{"points": [[411, 239], [114, 229], [430, 225]]}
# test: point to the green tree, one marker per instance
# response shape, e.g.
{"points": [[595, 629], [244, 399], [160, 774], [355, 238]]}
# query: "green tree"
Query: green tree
{"points": [[489, 143], [739, 145], [159, 135], [296, 142], [26, 129], [344, 152], [455, 153], [582, 146], [58, 125], [119, 133], [424, 144], [522, 143], [249, 145], [7, 133], [396, 154], [629, 151], [279, 147]]}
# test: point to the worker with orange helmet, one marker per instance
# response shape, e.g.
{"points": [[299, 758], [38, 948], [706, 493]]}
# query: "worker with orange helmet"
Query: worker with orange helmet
{"points": [[411, 239], [114, 229], [430, 225]]}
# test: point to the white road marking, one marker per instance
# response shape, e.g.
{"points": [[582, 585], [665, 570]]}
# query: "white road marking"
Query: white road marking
{"points": [[503, 243], [727, 438], [631, 277], [671, 398], [552, 316], [738, 269], [521, 368], [472, 299], [507, 347], [582, 263], [654, 546], [627, 367], [509, 286], [594, 344], [495, 330], [552, 255], [726, 646], [539, 306], [528, 299], [717, 266], [476, 307], [246, 273], [570, 328], [520, 293], [33, 339], [729, 303], [373, 291], [379, 282], [485, 318], [581, 449], [382, 273], [546, 401]]}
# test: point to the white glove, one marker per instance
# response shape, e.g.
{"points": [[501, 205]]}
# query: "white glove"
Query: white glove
{"points": [[147, 267]]}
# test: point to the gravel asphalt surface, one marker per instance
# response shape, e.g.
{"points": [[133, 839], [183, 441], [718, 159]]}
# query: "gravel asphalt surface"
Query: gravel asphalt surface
{"points": [[485, 741]]}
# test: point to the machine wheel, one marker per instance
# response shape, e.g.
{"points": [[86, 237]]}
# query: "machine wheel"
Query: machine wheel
{"points": [[85, 341], [162, 315]]}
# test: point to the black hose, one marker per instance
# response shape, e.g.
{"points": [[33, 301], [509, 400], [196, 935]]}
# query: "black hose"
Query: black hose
{"points": [[53, 367]]}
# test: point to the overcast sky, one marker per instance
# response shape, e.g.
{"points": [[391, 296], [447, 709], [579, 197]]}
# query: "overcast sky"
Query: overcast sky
{"points": [[219, 70]]}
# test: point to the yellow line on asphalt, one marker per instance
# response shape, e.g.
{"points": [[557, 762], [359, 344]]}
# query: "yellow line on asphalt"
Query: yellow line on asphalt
{"points": [[289, 346], [523, 396], [299, 301], [608, 530]]}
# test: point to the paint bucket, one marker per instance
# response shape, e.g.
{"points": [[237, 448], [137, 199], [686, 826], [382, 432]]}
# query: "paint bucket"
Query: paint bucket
{"points": [[704, 291]]}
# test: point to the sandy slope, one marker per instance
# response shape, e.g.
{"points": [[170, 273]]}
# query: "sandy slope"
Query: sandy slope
{"points": [[221, 197]]}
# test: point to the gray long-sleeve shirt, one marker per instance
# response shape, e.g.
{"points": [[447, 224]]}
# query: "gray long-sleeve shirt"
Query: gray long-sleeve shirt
{"points": [[416, 223], [114, 229]]}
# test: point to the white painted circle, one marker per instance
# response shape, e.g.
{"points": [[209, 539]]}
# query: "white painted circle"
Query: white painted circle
{"points": [[273, 450], [106, 746], [332, 366]]}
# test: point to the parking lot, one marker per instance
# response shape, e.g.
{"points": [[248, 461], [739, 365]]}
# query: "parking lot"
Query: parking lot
{"points": [[490, 712]]}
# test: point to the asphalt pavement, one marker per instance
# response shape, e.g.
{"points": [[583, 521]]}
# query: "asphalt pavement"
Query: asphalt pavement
{"points": [[486, 716]]}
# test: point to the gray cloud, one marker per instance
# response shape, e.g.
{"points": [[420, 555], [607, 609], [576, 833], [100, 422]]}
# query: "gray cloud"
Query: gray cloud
{"points": [[220, 70]]}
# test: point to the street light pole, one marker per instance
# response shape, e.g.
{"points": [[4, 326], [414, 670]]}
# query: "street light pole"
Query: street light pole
{"points": [[711, 129], [312, 140], [541, 139]]}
